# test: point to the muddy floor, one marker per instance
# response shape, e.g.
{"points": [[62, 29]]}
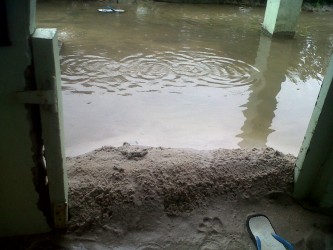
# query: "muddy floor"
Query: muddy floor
{"points": [[134, 197]]}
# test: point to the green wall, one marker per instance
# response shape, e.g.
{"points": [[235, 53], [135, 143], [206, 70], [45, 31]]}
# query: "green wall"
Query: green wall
{"points": [[314, 165], [19, 213]]}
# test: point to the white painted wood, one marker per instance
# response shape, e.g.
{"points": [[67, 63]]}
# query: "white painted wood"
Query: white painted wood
{"points": [[47, 73]]}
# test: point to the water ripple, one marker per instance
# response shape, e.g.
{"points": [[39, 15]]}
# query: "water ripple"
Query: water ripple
{"points": [[154, 72]]}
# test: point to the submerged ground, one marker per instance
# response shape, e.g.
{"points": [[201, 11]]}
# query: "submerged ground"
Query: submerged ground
{"points": [[185, 76]]}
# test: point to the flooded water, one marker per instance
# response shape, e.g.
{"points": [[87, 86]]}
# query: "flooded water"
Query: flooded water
{"points": [[194, 76]]}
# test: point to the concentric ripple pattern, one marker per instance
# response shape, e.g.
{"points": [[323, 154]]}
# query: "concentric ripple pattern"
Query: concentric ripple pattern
{"points": [[154, 72]]}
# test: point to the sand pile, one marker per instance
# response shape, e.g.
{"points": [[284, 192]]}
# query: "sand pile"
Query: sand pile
{"points": [[142, 198], [128, 184]]}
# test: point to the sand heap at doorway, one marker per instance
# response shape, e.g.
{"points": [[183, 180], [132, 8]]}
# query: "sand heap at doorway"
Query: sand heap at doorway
{"points": [[131, 183]]}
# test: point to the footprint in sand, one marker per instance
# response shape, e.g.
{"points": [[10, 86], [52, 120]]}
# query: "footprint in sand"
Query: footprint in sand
{"points": [[216, 238], [211, 226]]}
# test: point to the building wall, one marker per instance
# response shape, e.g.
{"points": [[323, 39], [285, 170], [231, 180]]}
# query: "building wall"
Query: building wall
{"points": [[314, 165], [19, 212]]}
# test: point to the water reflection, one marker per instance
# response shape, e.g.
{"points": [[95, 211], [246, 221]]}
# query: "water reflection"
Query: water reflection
{"points": [[262, 101]]}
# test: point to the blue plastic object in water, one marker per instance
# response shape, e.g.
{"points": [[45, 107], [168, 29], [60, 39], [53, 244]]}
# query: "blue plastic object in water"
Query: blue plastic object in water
{"points": [[110, 9]]}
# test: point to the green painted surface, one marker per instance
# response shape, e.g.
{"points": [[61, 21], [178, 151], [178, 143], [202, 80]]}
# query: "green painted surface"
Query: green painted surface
{"points": [[313, 173], [323, 187], [18, 209], [47, 73], [271, 14], [281, 17]]}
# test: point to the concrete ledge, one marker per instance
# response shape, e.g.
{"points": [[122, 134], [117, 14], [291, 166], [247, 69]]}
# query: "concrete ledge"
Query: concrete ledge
{"points": [[280, 34]]}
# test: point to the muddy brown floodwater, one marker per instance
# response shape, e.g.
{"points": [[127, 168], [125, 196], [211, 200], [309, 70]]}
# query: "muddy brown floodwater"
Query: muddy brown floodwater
{"points": [[185, 76]]}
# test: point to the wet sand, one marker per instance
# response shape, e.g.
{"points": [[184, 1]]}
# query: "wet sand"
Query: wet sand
{"points": [[112, 183], [135, 197]]}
